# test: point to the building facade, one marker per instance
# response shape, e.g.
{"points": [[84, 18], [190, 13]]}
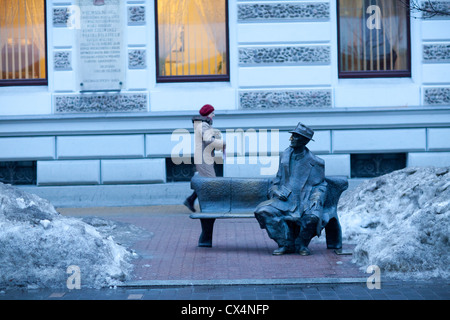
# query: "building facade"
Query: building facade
{"points": [[97, 96]]}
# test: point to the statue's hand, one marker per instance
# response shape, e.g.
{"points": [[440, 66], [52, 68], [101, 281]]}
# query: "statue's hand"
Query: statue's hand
{"points": [[278, 194]]}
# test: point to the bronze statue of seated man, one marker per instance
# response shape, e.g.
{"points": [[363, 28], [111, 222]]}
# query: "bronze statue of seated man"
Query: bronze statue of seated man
{"points": [[293, 214]]}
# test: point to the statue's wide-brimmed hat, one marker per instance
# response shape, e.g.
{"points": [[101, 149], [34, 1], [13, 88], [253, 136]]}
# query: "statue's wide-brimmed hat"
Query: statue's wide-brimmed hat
{"points": [[303, 130]]}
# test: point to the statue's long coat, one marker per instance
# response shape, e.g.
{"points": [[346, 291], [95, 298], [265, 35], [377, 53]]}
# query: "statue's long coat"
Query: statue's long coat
{"points": [[306, 191]]}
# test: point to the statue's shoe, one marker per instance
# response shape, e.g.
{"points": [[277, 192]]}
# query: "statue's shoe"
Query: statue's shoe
{"points": [[282, 250], [304, 251]]}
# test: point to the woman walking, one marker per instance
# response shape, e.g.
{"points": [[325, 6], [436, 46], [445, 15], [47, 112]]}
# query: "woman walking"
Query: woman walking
{"points": [[207, 140]]}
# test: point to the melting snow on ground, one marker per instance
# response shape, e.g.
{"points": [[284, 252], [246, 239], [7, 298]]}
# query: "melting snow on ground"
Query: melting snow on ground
{"points": [[37, 245], [399, 222]]}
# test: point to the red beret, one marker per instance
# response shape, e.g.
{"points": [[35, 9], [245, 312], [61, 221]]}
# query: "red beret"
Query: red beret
{"points": [[206, 110]]}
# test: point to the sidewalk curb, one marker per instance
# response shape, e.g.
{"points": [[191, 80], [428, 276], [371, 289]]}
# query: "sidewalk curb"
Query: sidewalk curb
{"points": [[231, 282]]}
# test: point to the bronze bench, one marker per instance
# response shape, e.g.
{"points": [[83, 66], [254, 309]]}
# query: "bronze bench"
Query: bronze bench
{"points": [[229, 198]]}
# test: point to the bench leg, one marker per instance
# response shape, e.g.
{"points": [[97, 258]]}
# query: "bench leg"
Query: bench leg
{"points": [[207, 232], [333, 234]]}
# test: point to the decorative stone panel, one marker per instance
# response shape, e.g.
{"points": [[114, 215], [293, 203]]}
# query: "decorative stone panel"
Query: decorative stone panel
{"points": [[285, 99], [136, 15], [62, 60], [137, 59], [436, 52], [435, 9], [61, 16], [284, 55], [284, 11], [115, 102], [437, 96]]}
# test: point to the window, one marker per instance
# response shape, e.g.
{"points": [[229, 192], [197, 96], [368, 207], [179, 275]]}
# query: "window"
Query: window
{"points": [[372, 165], [192, 40], [185, 171], [373, 39], [22, 42], [18, 172]]}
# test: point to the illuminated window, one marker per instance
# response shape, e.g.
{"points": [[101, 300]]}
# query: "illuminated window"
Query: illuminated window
{"points": [[374, 39], [192, 40], [22, 42]]}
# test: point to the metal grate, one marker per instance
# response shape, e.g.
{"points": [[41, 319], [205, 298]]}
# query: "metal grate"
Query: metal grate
{"points": [[376, 164], [184, 171], [18, 172]]}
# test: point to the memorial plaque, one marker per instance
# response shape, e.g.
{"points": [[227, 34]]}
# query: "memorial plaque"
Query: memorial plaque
{"points": [[101, 55]]}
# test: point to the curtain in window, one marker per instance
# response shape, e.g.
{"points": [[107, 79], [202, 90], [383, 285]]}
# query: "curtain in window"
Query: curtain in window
{"points": [[214, 22], [170, 28], [22, 39], [373, 35], [192, 37]]}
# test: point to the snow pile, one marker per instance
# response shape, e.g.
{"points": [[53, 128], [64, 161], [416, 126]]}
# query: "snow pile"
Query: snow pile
{"points": [[399, 222], [37, 245]]}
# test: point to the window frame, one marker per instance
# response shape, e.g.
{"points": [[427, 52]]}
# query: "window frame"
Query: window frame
{"points": [[374, 74], [32, 82], [193, 78]]}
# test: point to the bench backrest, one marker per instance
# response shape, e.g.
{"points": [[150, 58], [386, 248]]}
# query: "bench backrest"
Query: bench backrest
{"points": [[229, 194], [222, 194]]}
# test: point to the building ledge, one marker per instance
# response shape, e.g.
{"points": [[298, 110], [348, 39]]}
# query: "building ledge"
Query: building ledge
{"points": [[283, 120]]}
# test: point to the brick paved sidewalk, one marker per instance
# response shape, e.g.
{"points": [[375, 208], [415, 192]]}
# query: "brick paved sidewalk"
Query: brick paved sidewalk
{"points": [[241, 252], [170, 261], [262, 293]]}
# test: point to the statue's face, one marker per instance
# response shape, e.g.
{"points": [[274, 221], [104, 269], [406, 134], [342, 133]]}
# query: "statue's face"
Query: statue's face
{"points": [[298, 141]]}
